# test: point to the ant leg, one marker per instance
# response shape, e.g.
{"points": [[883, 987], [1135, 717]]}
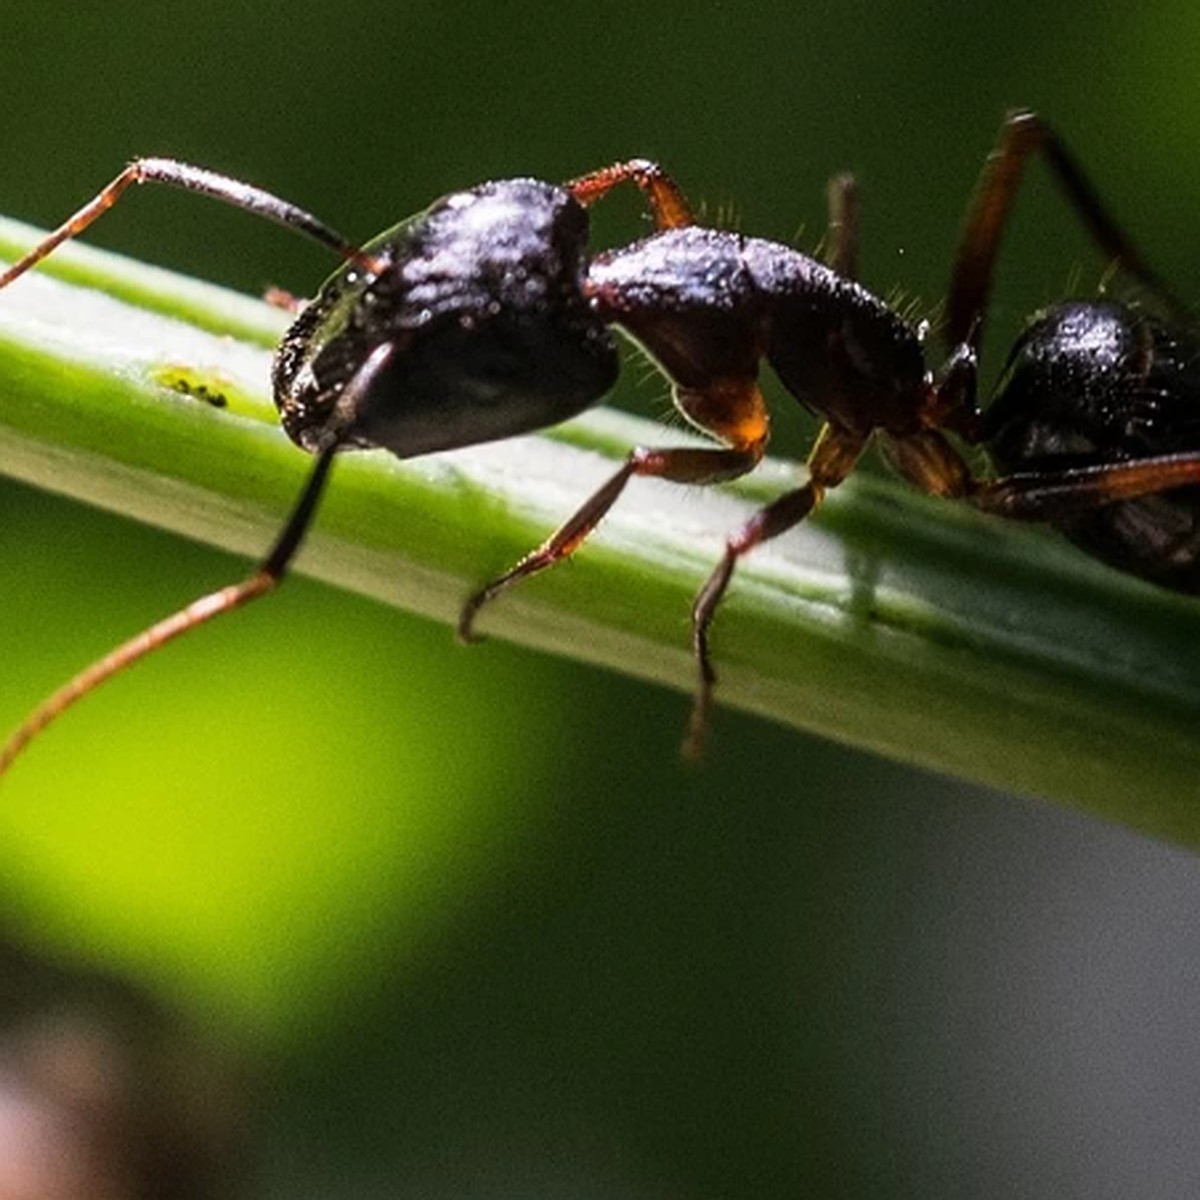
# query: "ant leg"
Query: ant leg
{"points": [[1051, 495], [667, 202], [268, 575], [191, 179], [841, 238], [832, 459], [677, 465], [930, 463], [1022, 135], [743, 429]]}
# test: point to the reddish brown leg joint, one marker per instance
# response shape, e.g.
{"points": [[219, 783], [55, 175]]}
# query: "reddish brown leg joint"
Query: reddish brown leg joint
{"points": [[1023, 135], [700, 466], [667, 201], [831, 460]]}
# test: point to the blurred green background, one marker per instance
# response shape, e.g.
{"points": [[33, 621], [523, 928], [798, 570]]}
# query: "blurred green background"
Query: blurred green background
{"points": [[467, 923]]}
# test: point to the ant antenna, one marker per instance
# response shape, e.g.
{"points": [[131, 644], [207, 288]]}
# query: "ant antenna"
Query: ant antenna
{"points": [[268, 575], [207, 183]]}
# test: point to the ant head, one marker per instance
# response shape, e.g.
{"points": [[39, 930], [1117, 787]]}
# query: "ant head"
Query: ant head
{"points": [[480, 297]]}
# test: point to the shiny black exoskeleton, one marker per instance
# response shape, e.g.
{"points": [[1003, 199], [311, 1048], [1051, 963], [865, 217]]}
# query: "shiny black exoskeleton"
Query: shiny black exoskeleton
{"points": [[499, 319], [487, 315], [482, 295], [709, 304], [1092, 383]]}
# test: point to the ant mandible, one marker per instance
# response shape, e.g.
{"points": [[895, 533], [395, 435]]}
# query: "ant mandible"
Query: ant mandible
{"points": [[485, 316]]}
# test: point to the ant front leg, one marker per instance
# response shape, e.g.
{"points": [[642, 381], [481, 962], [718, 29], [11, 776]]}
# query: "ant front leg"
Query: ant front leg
{"points": [[1023, 135], [832, 459], [666, 199], [747, 440]]}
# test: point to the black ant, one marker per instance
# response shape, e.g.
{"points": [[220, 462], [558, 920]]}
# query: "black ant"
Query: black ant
{"points": [[486, 316]]}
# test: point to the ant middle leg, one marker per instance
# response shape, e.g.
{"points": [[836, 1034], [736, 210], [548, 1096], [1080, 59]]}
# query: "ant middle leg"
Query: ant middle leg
{"points": [[832, 459], [1022, 135], [744, 430], [668, 204]]}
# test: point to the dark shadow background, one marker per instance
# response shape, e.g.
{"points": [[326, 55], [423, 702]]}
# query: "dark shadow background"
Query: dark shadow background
{"points": [[467, 922]]}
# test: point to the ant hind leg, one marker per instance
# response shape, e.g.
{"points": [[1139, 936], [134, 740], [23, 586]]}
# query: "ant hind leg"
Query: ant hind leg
{"points": [[1023, 135]]}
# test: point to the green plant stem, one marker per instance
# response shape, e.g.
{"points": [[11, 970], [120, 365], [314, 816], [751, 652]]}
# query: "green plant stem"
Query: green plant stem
{"points": [[912, 627]]}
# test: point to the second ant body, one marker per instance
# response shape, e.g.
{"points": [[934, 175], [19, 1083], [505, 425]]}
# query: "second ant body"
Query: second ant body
{"points": [[1103, 382], [487, 316]]}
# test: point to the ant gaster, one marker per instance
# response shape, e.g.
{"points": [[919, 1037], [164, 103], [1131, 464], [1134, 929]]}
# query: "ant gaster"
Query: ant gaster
{"points": [[486, 316]]}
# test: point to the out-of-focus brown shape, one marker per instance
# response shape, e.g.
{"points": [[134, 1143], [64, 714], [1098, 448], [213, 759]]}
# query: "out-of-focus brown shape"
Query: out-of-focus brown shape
{"points": [[103, 1095]]}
